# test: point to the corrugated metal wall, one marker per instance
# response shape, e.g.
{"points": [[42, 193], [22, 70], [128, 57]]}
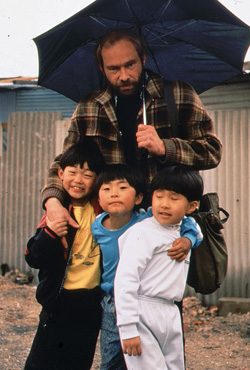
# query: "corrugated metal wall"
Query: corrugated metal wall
{"points": [[34, 100], [33, 141], [44, 100], [231, 179], [30, 149], [7, 104]]}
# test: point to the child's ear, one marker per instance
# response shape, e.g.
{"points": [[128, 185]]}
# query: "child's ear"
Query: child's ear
{"points": [[192, 206], [138, 199], [60, 173]]}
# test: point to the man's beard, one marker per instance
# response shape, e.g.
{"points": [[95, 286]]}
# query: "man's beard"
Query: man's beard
{"points": [[137, 87]]}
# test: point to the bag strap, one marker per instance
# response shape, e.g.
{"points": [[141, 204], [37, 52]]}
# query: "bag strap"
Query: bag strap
{"points": [[210, 211], [225, 214], [172, 111]]}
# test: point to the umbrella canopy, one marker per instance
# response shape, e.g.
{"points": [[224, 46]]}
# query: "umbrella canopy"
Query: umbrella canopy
{"points": [[196, 41]]}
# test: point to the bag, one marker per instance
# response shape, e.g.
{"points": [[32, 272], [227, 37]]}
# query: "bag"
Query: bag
{"points": [[208, 262]]}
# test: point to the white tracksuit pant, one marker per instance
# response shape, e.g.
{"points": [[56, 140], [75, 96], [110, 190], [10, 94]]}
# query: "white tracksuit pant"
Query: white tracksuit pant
{"points": [[161, 336]]}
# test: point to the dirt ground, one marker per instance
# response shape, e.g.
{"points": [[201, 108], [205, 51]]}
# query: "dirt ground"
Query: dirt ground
{"points": [[212, 342]]}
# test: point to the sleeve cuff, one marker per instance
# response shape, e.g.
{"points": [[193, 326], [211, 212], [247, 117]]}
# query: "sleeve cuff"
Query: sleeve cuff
{"points": [[170, 151], [52, 193], [192, 239], [50, 232], [128, 331]]}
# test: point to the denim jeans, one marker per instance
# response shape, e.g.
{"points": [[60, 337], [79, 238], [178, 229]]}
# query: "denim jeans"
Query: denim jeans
{"points": [[110, 345]]}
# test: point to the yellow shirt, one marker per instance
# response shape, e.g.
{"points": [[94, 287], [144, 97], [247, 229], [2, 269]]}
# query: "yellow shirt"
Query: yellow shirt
{"points": [[84, 270]]}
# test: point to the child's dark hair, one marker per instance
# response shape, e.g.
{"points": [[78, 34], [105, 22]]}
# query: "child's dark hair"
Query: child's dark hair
{"points": [[181, 180], [114, 172], [85, 150]]}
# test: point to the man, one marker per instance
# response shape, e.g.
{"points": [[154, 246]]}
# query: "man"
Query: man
{"points": [[113, 117]]}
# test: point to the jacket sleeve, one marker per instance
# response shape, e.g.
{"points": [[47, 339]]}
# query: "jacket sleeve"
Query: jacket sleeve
{"points": [[43, 249], [191, 230], [53, 185], [199, 147]]}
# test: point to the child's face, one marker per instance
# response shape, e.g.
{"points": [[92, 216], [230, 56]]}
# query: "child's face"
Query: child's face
{"points": [[169, 207], [78, 182], [118, 197]]}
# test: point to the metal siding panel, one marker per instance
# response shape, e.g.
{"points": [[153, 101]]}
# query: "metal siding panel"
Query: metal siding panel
{"points": [[1, 140], [30, 150], [7, 104], [44, 100], [61, 131], [231, 179], [224, 97]]}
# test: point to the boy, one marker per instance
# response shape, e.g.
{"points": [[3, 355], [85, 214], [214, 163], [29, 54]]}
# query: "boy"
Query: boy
{"points": [[69, 279], [120, 188], [148, 281]]}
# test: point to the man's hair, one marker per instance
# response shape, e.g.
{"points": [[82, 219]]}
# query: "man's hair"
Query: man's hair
{"points": [[85, 150], [112, 37], [181, 180], [114, 172]]}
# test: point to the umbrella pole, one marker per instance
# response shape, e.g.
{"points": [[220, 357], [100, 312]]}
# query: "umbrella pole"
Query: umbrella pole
{"points": [[143, 152], [144, 113]]}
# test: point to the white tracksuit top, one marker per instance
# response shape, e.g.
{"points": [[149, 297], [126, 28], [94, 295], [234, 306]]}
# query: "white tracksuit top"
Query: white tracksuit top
{"points": [[145, 269]]}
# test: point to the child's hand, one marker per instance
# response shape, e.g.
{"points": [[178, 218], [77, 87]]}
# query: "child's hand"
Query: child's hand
{"points": [[180, 249], [132, 346], [60, 227]]}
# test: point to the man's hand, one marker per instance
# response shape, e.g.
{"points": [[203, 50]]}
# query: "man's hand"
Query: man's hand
{"points": [[55, 211], [132, 346], [148, 138], [60, 226], [180, 249]]}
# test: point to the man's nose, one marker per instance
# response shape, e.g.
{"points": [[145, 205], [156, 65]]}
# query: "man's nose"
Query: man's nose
{"points": [[123, 74]]}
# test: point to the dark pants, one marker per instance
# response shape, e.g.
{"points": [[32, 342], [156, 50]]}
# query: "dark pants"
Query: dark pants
{"points": [[110, 345], [67, 340], [180, 306]]}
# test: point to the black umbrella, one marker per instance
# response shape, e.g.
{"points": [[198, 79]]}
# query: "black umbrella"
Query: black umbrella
{"points": [[196, 41]]}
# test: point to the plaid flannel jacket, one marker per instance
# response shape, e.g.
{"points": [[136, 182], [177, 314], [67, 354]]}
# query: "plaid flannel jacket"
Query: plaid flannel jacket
{"points": [[95, 116]]}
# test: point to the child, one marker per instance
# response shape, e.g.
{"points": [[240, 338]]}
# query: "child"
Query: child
{"points": [[148, 282], [120, 189], [69, 280]]}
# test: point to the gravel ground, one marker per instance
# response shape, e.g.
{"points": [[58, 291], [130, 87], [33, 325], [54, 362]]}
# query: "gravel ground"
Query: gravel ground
{"points": [[212, 342]]}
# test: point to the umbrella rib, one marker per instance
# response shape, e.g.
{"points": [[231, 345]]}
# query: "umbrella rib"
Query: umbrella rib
{"points": [[132, 13], [97, 20], [163, 11], [150, 30]]}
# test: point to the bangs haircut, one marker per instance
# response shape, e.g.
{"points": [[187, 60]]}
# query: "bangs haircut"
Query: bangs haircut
{"points": [[85, 150], [181, 180], [122, 172]]}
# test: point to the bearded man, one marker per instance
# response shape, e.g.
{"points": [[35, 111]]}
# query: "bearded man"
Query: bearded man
{"points": [[114, 118]]}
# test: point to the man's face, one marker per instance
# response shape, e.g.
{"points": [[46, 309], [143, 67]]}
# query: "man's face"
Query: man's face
{"points": [[123, 67]]}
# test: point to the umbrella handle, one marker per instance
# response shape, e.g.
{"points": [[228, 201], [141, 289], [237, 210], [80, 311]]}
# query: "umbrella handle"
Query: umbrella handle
{"points": [[143, 152], [144, 112]]}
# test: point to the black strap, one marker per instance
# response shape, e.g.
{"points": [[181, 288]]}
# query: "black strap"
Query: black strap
{"points": [[172, 111]]}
